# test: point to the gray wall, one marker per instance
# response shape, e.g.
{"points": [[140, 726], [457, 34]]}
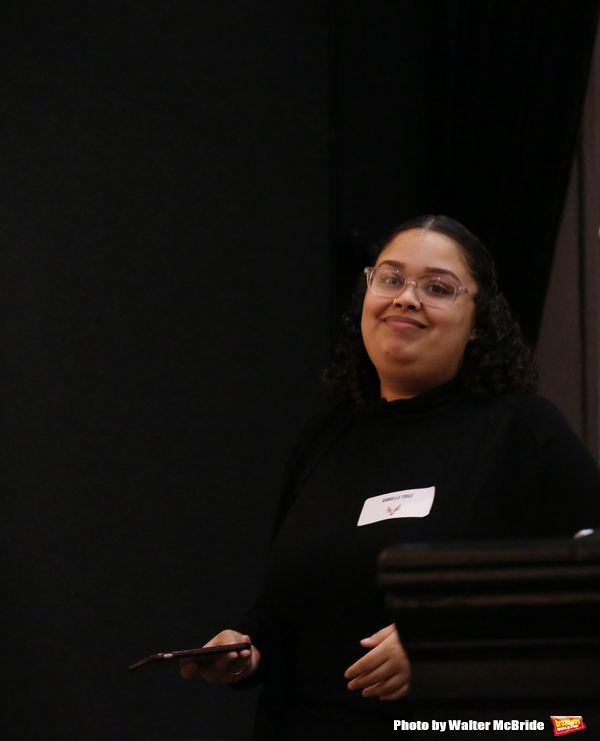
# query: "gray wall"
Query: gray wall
{"points": [[569, 344]]}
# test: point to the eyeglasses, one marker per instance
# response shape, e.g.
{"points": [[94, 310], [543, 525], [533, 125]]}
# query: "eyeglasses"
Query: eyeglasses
{"points": [[433, 290]]}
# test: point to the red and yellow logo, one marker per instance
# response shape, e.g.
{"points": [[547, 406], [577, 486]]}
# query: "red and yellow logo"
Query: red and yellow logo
{"points": [[567, 724]]}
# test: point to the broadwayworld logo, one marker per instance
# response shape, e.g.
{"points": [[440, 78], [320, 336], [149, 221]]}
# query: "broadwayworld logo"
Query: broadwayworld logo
{"points": [[567, 724]]}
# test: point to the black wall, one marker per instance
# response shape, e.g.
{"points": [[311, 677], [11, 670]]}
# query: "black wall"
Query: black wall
{"points": [[186, 189], [164, 290]]}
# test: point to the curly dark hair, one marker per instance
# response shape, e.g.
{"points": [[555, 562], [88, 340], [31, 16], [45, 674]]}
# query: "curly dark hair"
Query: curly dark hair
{"points": [[496, 361]]}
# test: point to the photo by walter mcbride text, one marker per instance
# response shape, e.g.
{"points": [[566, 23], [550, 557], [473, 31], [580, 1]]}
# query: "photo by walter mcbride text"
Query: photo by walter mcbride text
{"points": [[470, 725]]}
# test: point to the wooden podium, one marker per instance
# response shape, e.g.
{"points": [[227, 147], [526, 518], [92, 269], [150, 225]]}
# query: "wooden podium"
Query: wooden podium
{"points": [[496, 628]]}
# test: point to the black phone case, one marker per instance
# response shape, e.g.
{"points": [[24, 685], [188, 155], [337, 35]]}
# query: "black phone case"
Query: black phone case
{"points": [[167, 656]]}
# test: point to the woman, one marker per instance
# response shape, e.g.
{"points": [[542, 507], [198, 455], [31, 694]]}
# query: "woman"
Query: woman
{"points": [[439, 437]]}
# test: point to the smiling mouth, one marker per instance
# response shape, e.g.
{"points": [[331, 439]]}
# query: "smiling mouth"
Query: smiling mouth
{"points": [[404, 322]]}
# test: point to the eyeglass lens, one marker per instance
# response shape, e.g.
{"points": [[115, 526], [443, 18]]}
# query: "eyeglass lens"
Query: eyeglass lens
{"points": [[432, 290]]}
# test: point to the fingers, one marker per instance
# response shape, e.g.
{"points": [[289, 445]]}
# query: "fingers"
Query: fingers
{"points": [[380, 674], [227, 636], [388, 684], [378, 637], [397, 694], [384, 671], [382, 644], [224, 668]]}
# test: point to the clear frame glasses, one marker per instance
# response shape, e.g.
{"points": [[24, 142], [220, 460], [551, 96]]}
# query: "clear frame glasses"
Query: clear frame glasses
{"points": [[435, 290]]}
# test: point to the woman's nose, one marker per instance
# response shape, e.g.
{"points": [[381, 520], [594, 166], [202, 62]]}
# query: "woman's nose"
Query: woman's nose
{"points": [[408, 296]]}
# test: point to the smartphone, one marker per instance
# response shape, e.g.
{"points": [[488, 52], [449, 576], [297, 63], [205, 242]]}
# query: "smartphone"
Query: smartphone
{"points": [[208, 651]]}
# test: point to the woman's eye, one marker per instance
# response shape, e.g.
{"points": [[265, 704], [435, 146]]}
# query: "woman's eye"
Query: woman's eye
{"points": [[439, 288], [390, 279]]}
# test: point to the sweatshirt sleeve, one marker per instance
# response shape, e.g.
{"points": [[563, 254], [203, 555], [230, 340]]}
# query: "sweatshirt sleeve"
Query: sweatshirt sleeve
{"points": [[266, 627], [269, 635]]}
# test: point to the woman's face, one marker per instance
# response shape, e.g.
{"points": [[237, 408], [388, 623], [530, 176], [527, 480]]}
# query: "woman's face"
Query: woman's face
{"points": [[415, 347]]}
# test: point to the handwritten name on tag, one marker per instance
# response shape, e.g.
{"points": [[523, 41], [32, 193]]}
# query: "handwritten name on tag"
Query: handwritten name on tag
{"points": [[407, 503]]}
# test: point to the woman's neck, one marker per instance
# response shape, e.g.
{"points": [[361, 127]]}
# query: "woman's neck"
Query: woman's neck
{"points": [[394, 389]]}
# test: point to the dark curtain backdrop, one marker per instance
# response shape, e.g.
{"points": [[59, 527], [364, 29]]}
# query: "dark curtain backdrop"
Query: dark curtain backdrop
{"points": [[185, 192]]}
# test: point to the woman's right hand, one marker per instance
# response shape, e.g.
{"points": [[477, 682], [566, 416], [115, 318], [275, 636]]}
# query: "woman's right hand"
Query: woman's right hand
{"points": [[225, 668]]}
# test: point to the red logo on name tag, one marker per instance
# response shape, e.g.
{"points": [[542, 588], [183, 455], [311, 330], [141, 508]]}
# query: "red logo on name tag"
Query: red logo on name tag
{"points": [[567, 724]]}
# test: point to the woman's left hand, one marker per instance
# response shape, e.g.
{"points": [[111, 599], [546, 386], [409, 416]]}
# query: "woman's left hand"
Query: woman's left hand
{"points": [[384, 671]]}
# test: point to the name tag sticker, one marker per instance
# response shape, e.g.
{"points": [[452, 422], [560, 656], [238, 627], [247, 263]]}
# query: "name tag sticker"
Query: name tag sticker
{"points": [[407, 503]]}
